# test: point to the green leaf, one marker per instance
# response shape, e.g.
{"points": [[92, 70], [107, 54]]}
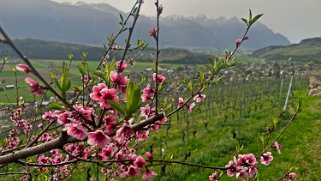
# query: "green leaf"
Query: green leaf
{"points": [[238, 147], [160, 87], [250, 15], [245, 21], [53, 77], [190, 86], [70, 56], [84, 56], [55, 106], [263, 139], [121, 18], [256, 18], [63, 78], [102, 75], [132, 98], [202, 76], [111, 38], [139, 43], [5, 59], [275, 121], [117, 107]]}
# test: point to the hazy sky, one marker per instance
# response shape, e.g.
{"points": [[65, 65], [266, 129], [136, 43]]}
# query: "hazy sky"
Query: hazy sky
{"points": [[296, 19]]}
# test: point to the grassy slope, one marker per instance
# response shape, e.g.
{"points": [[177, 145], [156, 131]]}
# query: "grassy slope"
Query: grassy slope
{"points": [[305, 51]]}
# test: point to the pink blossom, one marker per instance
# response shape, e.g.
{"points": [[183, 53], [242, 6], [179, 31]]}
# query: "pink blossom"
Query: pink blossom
{"points": [[35, 88], [153, 32], [87, 112], [155, 127], [45, 137], [266, 158], [162, 121], [43, 160], [106, 152], [110, 128], [12, 132], [109, 118], [132, 171], [232, 167], [95, 95], [13, 142], [119, 79], [160, 78], [181, 102], [291, 176], [57, 159], [147, 93], [140, 162], [120, 155], [144, 97], [145, 111], [248, 160], [149, 175], [49, 116], [123, 65], [98, 138], [199, 98], [213, 176], [23, 68], [77, 131], [238, 42], [40, 125], [191, 107], [142, 135], [64, 118], [108, 95], [243, 167], [85, 78], [149, 156], [242, 174], [124, 132], [277, 146]]}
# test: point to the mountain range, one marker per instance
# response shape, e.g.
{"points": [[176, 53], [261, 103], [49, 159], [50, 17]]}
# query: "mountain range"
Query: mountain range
{"points": [[90, 24]]}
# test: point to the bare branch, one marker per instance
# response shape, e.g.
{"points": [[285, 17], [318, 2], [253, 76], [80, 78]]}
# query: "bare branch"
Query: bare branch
{"points": [[42, 148], [149, 121], [192, 164]]}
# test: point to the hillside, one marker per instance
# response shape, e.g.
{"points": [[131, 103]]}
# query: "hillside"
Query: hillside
{"points": [[308, 50], [91, 23], [53, 50]]}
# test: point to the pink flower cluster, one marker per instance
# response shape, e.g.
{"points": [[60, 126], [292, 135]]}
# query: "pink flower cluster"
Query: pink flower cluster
{"points": [[22, 125], [198, 98], [244, 166]]}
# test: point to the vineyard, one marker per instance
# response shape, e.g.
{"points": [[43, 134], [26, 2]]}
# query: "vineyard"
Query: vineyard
{"points": [[233, 113]]}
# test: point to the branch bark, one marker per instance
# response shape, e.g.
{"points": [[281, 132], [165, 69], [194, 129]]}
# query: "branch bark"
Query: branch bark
{"points": [[42, 148], [149, 121]]}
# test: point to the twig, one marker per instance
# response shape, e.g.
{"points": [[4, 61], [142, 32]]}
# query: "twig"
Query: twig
{"points": [[157, 57], [131, 30], [280, 134], [192, 164], [47, 165], [40, 134]]}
